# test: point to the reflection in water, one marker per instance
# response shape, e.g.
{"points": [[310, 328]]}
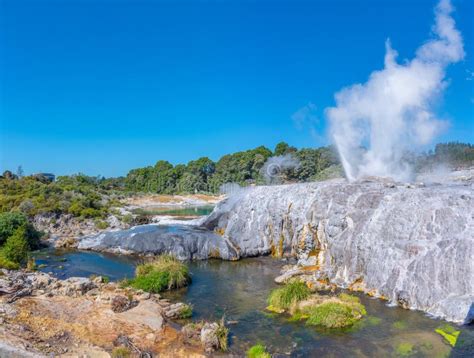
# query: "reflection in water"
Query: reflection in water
{"points": [[238, 290], [177, 211]]}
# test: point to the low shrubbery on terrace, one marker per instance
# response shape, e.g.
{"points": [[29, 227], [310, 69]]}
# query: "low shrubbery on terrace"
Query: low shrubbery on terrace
{"points": [[78, 195]]}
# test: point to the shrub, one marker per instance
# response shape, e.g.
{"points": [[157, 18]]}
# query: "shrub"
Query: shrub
{"points": [[258, 351], [16, 247], [101, 224], [7, 264], [11, 221], [291, 293]]}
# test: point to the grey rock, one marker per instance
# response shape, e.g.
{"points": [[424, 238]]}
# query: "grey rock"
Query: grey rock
{"points": [[183, 241], [209, 338], [412, 244]]}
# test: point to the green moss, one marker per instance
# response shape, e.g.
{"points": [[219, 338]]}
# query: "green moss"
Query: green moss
{"points": [[291, 293], [449, 333], [400, 325], [404, 349], [258, 351], [373, 321]]}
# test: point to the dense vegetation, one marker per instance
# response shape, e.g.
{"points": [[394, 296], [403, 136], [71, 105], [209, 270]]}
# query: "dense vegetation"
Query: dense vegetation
{"points": [[244, 168], [452, 154], [93, 197], [17, 238], [79, 195]]}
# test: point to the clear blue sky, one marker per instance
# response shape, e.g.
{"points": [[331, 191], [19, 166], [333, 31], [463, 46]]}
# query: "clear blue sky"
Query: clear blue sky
{"points": [[104, 86]]}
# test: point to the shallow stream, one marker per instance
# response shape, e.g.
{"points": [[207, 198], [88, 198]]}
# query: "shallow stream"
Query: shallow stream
{"points": [[238, 291]]}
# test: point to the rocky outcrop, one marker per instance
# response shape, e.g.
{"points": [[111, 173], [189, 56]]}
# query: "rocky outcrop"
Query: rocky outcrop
{"points": [[410, 243], [62, 230], [84, 317], [183, 241]]}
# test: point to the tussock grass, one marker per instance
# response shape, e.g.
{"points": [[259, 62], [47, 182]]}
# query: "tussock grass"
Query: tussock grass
{"points": [[283, 298], [165, 272], [335, 314], [222, 334], [258, 351]]}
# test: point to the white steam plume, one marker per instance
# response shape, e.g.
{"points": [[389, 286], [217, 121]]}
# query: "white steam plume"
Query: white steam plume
{"points": [[274, 168], [393, 111]]}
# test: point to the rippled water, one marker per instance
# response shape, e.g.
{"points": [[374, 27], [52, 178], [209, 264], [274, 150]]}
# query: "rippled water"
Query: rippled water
{"points": [[238, 291]]}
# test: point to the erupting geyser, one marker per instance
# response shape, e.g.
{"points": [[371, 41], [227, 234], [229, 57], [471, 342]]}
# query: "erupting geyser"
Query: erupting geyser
{"points": [[393, 111]]}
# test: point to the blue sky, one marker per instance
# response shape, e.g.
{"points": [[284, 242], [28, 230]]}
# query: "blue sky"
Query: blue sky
{"points": [[101, 87]]}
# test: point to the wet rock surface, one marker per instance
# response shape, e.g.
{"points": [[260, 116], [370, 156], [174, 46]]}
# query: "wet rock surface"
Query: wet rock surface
{"points": [[183, 241]]}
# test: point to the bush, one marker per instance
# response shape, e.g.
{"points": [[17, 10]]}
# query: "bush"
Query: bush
{"points": [[291, 293], [258, 351], [16, 247], [7, 264], [101, 224]]}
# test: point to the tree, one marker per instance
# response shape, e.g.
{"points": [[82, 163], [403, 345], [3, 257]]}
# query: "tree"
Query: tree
{"points": [[283, 148]]}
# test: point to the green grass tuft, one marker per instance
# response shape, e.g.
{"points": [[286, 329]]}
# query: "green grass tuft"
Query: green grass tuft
{"points": [[222, 334], [293, 292], [336, 314], [186, 312], [165, 272], [258, 351]]}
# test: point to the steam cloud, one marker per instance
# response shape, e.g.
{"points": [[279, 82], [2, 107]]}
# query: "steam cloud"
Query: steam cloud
{"points": [[274, 167], [393, 111]]}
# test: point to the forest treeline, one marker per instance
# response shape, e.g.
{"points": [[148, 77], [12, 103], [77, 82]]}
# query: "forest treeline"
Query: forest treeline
{"points": [[93, 197]]}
